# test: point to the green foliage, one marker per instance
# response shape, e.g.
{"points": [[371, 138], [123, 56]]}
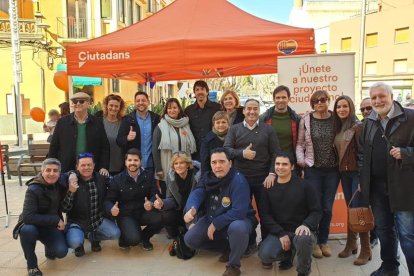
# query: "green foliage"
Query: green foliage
{"points": [[130, 108], [93, 109], [158, 108]]}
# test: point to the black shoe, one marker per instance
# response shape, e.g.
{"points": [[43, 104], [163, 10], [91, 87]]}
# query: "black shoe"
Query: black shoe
{"points": [[250, 250], [385, 272], [301, 274], [267, 265], [79, 251], [123, 245], [147, 245], [34, 272], [373, 242], [50, 256], [285, 265], [95, 246]]}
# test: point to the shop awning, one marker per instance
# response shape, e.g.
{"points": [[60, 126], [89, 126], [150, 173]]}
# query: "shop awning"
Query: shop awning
{"points": [[80, 81]]}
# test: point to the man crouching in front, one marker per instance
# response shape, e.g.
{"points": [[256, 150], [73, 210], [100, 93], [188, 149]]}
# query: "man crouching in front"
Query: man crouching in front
{"points": [[227, 213], [41, 219]]}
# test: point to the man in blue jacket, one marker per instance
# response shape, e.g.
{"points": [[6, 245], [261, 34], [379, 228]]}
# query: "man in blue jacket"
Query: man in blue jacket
{"points": [[227, 213]]}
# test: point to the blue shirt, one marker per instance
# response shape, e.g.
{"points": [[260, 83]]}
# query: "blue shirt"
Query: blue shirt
{"points": [[146, 139]]}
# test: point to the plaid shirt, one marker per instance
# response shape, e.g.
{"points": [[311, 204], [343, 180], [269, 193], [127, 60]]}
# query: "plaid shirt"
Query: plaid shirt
{"points": [[96, 214]]}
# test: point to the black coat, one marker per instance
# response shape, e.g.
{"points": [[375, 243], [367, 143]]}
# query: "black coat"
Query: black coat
{"points": [[400, 173], [41, 205], [63, 144], [131, 120], [130, 194], [239, 115], [209, 142], [79, 212]]}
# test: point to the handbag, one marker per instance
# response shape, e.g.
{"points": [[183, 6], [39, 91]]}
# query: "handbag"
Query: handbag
{"points": [[180, 249], [360, 219]]}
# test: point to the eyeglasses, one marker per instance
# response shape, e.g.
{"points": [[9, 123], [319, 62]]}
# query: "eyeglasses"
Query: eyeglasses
{"points": [[75, 101], [179, 152], [320, 100], [85, 154], [367, 108]]}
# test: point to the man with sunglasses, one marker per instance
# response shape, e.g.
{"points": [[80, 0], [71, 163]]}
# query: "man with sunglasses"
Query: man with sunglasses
{"points": [[80, 132], [365, 107], [386, 162], [83, 204]]}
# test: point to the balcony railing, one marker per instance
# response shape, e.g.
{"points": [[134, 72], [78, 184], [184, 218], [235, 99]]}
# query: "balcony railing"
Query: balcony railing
{"points": [[28, 30], [72, 28]]}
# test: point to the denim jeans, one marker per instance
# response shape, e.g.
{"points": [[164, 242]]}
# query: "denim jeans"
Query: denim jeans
{"points": [[235, 235], [75, 236], [349, 182], [131, 233], [388, 224], [326, 183], [51, 237], [271, 251]]}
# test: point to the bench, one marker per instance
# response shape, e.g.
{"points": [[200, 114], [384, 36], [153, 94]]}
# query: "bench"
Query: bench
{"points": [[37, 153], [6, 158]]}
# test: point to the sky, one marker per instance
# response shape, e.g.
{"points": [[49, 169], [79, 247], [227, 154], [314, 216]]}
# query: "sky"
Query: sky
{"points": [[273, 10]]}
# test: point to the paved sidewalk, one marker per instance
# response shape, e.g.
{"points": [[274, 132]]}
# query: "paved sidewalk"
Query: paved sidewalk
{"points": [[114, 261]]}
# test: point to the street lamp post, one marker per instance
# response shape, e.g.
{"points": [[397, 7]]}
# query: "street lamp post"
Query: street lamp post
{"points": [[17, 68], [362, 47]]}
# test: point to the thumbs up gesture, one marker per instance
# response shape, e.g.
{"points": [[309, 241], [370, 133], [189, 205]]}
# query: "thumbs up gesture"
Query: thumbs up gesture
{"points": [[248, 153], [115, 209], [158, 203], [189, 216], [131, 134], [147, 204]]}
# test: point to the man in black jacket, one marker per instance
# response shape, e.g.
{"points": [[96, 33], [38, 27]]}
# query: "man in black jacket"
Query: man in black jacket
{"points": [[80, 132], [137, 128], [83, 205], [290, 212], [387, 171], [41, 217], [131, 199]]}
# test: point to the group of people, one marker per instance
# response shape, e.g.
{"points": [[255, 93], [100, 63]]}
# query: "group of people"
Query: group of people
{"points": [[196, 171]]}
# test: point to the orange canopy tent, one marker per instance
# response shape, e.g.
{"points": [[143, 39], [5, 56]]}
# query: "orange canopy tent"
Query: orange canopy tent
{"points": [[190, 39]]}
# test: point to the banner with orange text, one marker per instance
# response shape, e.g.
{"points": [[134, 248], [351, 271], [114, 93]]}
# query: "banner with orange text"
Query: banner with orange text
{"points": [[334, 73]]}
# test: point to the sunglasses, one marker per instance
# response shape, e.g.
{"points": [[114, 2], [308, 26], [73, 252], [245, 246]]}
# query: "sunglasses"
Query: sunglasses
{"points": [[321, 100], [75, 101], [367, 108], [84, 155]]}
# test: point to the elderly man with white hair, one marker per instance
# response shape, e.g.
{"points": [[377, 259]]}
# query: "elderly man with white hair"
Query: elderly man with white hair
{"points": [[387, 173]]}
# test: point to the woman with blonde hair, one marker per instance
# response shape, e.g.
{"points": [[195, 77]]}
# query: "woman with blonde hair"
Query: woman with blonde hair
{"points": [[113, 111], [172, 134], [231, 104]]}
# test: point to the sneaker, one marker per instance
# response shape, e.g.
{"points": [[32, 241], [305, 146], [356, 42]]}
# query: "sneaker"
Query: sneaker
{"points": [[34, 272], [285, 265], [95, 246], [267, 265], [147, 245], [79, 251], [224, 258], [317, 252], [232, 271], [250, 250], [326, 250]]}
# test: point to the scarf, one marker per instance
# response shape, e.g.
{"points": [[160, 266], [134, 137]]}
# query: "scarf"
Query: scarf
{"points": [[212, 182], [169, 137], [220, 135]]}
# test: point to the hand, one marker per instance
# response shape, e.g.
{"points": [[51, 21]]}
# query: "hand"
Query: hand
{"points": [[189, 216], [302, 231], [104, 172], [147, 204], [269, 181], [115, 210], [285, 241], [61, 225], [160, 174], [210, 231], [158, 203], [248, 153], [131, 134], [73, 183], [396, 153]]}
